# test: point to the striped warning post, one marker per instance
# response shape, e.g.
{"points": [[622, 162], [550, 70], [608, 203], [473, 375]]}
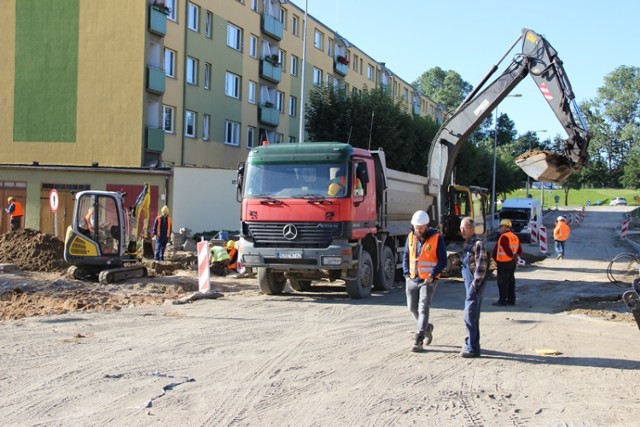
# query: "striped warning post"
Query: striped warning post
{"points": [[569, 220], [542, 236], [534, 232], [625, 228], [204, 277]]}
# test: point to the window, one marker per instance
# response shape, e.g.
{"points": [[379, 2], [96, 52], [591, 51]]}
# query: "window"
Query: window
{"points": [[253, 46], [293, 105], [279, 138], [234, 37], [190, 118], [231, 133], [193, 16], [295, 23], [354, 63], [317, 76], [283, 17], [292, 139], [251, 94], [171, 4], [330, 47], [254, 5], [317, 39], [293, 65], [405, 94], [169, 63], [280, 101], [282, 58], [168, 114], [232, 85], [206, 120], [251, 136], [329, 80], [370, 72], [192, 70], [208, 28], [207, 75]]}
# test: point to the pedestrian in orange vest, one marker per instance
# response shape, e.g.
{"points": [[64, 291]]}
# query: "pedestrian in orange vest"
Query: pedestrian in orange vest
{"points": [[561, 233], [506, 253], [16, 212]]}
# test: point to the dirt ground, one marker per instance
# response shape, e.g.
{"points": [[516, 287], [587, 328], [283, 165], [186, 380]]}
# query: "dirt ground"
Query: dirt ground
{"points": [[81, 353]]}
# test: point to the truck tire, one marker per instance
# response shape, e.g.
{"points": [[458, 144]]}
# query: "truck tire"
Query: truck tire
{"points": [[299, 285], [271, 283], [385, 276], [361, 286]]}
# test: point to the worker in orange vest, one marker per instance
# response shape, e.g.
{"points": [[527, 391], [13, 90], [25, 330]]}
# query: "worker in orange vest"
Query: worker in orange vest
{"points": [[162, 232], [233, 255], [561, 233], [16, 212], [506, 253]]}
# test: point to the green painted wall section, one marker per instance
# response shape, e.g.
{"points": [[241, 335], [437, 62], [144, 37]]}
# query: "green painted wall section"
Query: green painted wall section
{"points": [[46, 71]]}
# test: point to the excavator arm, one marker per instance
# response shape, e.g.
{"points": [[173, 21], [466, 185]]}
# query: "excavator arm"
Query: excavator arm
{"points": [[139, 209], [539, 59]]}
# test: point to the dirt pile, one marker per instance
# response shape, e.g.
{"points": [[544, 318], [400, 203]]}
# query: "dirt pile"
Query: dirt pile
{"points": [[31, 250]]}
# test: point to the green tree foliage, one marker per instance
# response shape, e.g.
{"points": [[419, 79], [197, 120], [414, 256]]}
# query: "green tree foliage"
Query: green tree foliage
{"points": [[631, 176], [370, 119], [446, 88]]}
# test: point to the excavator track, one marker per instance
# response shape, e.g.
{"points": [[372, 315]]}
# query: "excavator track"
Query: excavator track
{"points": [[123, 273], [545, 166]]}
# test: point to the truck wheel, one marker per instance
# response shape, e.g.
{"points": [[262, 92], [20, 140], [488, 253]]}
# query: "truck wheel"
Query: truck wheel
{"points": [[361, 286], [385, 276], [271, 283], [300, 285]]}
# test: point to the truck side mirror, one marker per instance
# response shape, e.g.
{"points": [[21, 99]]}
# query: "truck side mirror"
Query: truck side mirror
{"points": [[239, 181]]}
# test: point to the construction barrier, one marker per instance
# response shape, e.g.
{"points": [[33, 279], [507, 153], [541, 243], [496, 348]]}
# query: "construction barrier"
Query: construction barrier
{"points": [[542, 236], [569, 220], [534, 232], [204, 275], [625, 228]]}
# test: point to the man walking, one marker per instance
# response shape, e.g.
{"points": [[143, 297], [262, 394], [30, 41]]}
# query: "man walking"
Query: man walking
{"points": [[506, 253], [16, 212], [474, 270], [425, 256], [561, 233], [162, 232]]}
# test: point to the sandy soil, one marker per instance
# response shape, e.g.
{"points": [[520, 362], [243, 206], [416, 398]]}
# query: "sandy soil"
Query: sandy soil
{"points": [[80, 353]]}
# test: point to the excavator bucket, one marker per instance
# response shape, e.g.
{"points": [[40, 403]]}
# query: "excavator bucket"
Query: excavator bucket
{"points": [[545, 166], [147, 248]]}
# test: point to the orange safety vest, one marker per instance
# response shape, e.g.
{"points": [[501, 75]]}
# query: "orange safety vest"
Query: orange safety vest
{"points": [[423, 264], [18, 211], [158, 227], [562, 231], [232, 255], [514, 242]]}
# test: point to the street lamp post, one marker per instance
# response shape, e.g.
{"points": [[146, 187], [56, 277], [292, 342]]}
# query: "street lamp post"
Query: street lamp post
{"points": [[530, 148], [495, 155]]}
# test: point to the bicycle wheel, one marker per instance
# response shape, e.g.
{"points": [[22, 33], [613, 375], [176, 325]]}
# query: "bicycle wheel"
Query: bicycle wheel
{"points": [[623, 268]]}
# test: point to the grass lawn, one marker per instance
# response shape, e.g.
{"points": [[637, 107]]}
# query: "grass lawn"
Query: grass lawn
{"points": [[580, 197]]}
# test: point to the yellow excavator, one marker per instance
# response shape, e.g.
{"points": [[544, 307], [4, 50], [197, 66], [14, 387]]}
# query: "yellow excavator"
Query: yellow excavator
{"points": [[99, 243]]}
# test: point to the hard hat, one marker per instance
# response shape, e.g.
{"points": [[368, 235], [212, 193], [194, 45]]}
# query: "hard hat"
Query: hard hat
{"points": [[165, 210], [560, 218], [10, 199], [505, 222], [231, 244], [420, 218], [333, 189]]}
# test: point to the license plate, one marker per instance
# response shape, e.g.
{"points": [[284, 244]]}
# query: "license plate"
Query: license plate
{"points": [[289, 255]]}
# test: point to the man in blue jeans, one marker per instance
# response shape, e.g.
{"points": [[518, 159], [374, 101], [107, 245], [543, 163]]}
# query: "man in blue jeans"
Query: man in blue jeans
{"points": [[474, 272]]}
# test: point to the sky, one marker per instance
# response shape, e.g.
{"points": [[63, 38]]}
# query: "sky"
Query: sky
{"points": [[592, 39]]}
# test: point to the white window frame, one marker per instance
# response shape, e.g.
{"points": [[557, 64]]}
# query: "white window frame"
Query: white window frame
{"points": [[280, 101], [251, 92], [292, 139], [253, 46], [254, 5], [282, 17], [293, 105], [330, 47], [208, 26], [370, 72], [193, 17], [293, 65], [192, 71], [206, 125], [171, 4], [190, 116], [282, 58], [168, 113], [207, 76], [295, 25], [231, 133], [170, 62], [234, 37], [232, 85], [317, 76], [318, 38], [251, 136]]}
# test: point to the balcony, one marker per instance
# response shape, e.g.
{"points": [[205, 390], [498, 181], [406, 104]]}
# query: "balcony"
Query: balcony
{"points": [[416, 108], [268, 115], [155, 139], [341, 65], [270, 71], [271, 26], [157, 21], [155, 79]]}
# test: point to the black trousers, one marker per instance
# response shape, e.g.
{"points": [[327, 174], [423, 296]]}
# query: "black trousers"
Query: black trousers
{"points": [[507, 282]]}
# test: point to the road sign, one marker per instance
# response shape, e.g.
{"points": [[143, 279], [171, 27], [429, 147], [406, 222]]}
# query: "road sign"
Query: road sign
{"points": [[53, 200]]}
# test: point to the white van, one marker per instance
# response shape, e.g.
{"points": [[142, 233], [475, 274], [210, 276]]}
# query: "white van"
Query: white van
{"points": [[521, 212]]}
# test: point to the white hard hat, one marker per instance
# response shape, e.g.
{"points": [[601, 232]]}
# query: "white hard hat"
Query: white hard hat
{"points": [[560, 218], [420, 218]]}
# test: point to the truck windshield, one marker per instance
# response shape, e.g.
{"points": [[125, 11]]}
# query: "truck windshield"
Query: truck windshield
{"points": [[308, 180]]}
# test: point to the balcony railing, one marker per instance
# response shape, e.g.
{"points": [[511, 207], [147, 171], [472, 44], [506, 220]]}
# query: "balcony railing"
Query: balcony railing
{"points": [[155, 139], [270, 72], [416, 108], [157, 21], [155, 79], [268, 115], [271, 26], [340, 67]]}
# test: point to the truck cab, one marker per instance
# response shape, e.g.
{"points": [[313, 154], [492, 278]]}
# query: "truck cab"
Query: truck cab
{"points": [[522, 212]]}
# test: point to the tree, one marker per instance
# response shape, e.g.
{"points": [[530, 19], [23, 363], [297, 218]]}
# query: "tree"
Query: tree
{"points": [[446, 88]]}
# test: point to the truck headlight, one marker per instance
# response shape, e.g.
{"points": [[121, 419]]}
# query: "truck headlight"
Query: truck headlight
{"points": [[332, 260]]}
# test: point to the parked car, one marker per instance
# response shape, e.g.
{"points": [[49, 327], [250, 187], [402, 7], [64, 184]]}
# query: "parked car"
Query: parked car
{"points": [[618, 201]]}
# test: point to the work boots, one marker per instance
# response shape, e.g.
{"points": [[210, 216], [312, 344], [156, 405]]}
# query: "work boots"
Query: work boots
{"points": [[418, 344]]}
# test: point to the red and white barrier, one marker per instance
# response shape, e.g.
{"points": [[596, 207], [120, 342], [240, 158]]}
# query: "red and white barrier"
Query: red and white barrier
{"points": [[543, 239], [204, 275], [534, 232], [569, 220], [625, 228]]}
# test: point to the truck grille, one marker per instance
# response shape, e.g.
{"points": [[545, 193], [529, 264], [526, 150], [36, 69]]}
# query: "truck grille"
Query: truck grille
{"points": [[299, 235]]}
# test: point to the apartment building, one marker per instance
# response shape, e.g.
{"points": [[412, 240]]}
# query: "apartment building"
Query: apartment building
{"points": [[109, 95]]}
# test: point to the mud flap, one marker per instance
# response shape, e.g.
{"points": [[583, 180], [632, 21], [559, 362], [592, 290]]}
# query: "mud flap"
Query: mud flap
{"points": [[545, 166]]}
